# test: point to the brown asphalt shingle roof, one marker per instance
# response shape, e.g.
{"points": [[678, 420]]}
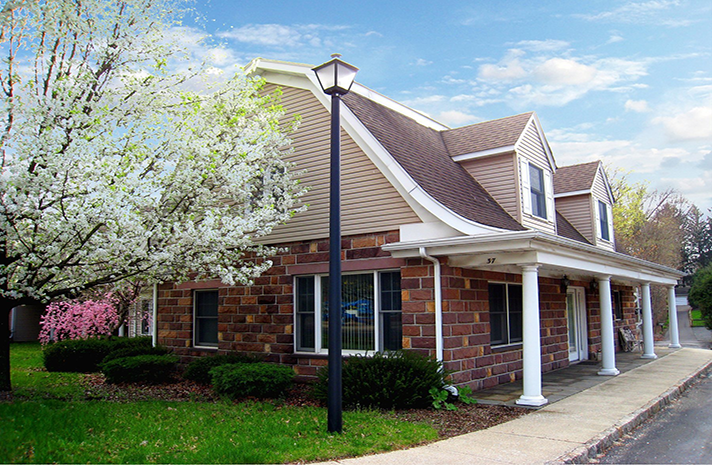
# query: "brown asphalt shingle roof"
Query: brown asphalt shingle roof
{"points": [[567, 230], [487, 135], [575, 178], [422, 152]]}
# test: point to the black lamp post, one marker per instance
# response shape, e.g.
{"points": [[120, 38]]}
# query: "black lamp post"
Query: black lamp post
{"points": [[335, 78]]}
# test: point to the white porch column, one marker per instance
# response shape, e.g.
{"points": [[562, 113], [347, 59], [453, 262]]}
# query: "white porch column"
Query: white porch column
{"points": [[648, 337], [531, 344], [672, 314], [608, 340]]}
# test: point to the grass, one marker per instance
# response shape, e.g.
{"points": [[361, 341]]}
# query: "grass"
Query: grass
{"points": [[696, 318], [52, 424]]}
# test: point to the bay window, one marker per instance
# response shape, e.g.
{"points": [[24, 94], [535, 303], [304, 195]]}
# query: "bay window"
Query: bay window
{"points": [[370, 312]]}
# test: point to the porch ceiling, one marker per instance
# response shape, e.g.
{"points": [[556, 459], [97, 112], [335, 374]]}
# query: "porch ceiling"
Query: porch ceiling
{"points": [[555, 255]]}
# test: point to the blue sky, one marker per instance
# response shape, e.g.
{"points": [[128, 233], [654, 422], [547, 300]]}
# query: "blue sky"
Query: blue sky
{"points": [[627, 82]]}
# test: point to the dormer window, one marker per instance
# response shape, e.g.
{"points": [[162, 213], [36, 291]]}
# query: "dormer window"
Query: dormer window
{"points": [[538, 191], [604, 221]]}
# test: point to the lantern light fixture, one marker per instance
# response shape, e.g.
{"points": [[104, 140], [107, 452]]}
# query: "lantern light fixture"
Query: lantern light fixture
{"points": [[335, 76]]}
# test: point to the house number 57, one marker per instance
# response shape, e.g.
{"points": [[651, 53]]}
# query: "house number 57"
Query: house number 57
{"points": [[491, 261]]}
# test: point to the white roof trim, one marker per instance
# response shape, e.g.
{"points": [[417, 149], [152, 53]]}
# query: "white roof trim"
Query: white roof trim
{"points": [[299, 69], [601, 172], [572, 193], [566, 253], [484, 153], [534, 119]]}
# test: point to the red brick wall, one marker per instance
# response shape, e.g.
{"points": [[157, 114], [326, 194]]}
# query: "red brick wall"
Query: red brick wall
{"points": [[259, 318]]}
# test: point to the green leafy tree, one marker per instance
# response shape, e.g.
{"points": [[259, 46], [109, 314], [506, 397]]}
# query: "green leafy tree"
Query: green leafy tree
{"points": [[649, 225], [697, 252], [700, 296]]}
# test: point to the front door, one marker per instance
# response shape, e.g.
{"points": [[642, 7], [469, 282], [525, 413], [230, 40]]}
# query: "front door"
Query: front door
{"points": [[576, 320]]}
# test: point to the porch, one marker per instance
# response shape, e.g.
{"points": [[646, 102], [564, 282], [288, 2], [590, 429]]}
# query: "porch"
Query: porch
{"points": [[560, 384]]}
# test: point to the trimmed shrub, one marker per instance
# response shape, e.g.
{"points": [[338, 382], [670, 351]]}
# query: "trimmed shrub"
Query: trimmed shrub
{"points": [[140, 369], [700, 296], [76, 355], [134, 351], [388, 380], [199, 369], [85, 355], [263, 380]]}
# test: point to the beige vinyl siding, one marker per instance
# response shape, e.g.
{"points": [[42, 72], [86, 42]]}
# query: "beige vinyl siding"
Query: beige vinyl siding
{"points": [[599, 188], [497, 174], [369, 203], [577, 209], [531, 148]]}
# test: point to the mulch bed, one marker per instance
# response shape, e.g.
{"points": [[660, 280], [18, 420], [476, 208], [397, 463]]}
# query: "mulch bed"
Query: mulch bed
{"points": [[466, 419]]}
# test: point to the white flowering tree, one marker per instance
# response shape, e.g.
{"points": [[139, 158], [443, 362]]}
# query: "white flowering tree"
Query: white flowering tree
{"points": [[112, 171]]}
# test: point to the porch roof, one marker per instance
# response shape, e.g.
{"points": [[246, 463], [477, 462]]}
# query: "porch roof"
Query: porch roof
{"points": [[555, 255]]}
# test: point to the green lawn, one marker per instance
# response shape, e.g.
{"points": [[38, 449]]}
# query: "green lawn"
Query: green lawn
{"points": [[696, 318], [49, 422]]}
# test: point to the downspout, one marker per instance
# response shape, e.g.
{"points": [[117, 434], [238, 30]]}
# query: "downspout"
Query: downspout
{"points": [[438, 304], [154, 316]]}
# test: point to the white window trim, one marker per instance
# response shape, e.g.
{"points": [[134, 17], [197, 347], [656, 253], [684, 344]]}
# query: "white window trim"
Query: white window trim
{"points": [[609, 217], [195, 318], [548, 184], [318, 350], [506, 299]]}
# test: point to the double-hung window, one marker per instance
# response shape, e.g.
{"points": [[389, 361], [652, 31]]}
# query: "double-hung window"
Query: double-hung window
{"points": [[604, 221], [505, 302], [538, 191], [370, 312], [205, 333]]}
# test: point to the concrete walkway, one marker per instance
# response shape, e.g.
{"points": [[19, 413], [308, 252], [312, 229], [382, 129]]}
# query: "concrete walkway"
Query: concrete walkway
{"points": [[572, 429]]}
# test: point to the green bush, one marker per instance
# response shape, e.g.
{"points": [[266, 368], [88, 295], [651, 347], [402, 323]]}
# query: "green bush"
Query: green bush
{"points": [[140, 369], [263, 380], [199, 369], [85, 355], [389, 380], [133, 351], [700, 296]]}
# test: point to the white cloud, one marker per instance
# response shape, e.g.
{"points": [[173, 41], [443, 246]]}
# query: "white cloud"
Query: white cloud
{"points": [[508, 70], [422, 62], [556, 81], [548, 45], [276, 35], [559, 71], [695, 123], [653, 11], [638, 106], [457, 118], [615, 38]]}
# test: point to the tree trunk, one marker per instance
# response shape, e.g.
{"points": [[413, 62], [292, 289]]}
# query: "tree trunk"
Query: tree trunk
{"points": [[5, 306]]}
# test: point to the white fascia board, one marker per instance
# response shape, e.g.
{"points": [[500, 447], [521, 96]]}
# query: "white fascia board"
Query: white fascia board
{"points": [[381, 99], [572, 193], [534, 119], [484, 153], [602, 173], [550, 250]]}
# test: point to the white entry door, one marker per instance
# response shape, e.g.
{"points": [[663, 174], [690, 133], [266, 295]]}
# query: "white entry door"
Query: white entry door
{"points": [[576, 320]]}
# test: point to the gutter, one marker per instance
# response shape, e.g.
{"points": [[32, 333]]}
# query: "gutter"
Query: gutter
{"points": [[530, 235], [438, 304]]}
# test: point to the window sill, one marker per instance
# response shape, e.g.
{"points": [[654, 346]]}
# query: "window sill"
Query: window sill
{"points": [[205, 348], [506, 348]]}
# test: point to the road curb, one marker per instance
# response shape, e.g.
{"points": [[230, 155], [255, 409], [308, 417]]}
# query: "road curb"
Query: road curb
{"points": [[598, 444]]}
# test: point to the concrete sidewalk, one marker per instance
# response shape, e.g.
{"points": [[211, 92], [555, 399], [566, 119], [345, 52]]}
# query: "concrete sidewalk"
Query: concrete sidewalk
{"points": [[572, 429]]}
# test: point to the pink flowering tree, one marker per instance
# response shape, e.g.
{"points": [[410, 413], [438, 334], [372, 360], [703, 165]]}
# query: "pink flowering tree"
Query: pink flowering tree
{"points": [[79, 320]]}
